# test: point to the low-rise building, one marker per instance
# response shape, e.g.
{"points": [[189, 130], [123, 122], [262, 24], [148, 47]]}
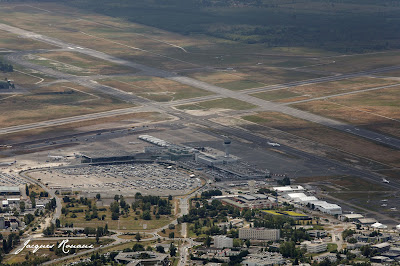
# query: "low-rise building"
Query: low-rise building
{"points": [[142, 258], [314, 246], [223, 242], [265, 258], [259, 234], [317, 233]]}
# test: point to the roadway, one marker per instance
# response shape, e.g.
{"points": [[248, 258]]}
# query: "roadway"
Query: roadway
{"points": [[268, 106]]}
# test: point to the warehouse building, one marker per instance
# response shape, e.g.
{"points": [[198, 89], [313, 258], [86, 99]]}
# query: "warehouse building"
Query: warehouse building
{"points": [[5, 190]]}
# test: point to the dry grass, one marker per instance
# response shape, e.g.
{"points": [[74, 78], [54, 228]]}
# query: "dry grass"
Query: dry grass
{"points": [[224, 103], [88, 63], [54, 102], [327, 136], [71, 128], [14, 42], [157, 89], [376, 110], [361, 62], [322, 89]]}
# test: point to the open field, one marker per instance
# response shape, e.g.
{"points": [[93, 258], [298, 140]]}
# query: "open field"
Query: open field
{"points": [[134, 119], [330, 137], [343, 183], [322, 89], [250, 77], [360, 62], [224, 103], [126, 222], [156, 89], [56, 101], [25, 78], [151, 46], [79, 64], [9, 41], [376, 110]]}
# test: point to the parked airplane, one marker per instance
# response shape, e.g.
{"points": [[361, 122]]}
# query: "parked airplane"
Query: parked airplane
{"points": [[273, 144]]}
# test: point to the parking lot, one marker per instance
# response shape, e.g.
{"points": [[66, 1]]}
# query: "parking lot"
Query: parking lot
{"points": [[152, 179]]}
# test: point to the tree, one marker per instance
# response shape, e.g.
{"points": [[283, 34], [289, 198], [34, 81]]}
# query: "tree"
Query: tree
{"points": [[22, 206], [146, 215], [98, 196], [26, 190], [248, 243], [138, 237], [172, 250], [58, 224], [160, 249], [33, 201], [207, 241], [114, 216], [171, 235]]}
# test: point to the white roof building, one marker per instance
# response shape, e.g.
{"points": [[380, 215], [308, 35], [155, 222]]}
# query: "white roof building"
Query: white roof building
{"points": [[326, 207], [288, 188], [378, 225]]}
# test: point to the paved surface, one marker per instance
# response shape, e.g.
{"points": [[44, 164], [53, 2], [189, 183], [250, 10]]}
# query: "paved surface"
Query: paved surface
{"points": [[268, 106]]}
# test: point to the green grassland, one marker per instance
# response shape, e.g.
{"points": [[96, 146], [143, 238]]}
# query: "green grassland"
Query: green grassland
{"points": [[225, 103]]}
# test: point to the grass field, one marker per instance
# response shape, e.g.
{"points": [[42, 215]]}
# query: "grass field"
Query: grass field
{"points": [[128, 222], [330, 137], [56, 101], [322, 89], [156, 89], [225, 103], [375, 110]]}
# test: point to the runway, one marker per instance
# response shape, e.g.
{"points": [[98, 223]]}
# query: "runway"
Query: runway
{"points": [[264, 105]]}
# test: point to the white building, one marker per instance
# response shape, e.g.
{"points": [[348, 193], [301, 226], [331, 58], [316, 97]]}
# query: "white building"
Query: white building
{"points": [[259, 234], [288, 189], [314, 246], [223, 242], [326, 207]]}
